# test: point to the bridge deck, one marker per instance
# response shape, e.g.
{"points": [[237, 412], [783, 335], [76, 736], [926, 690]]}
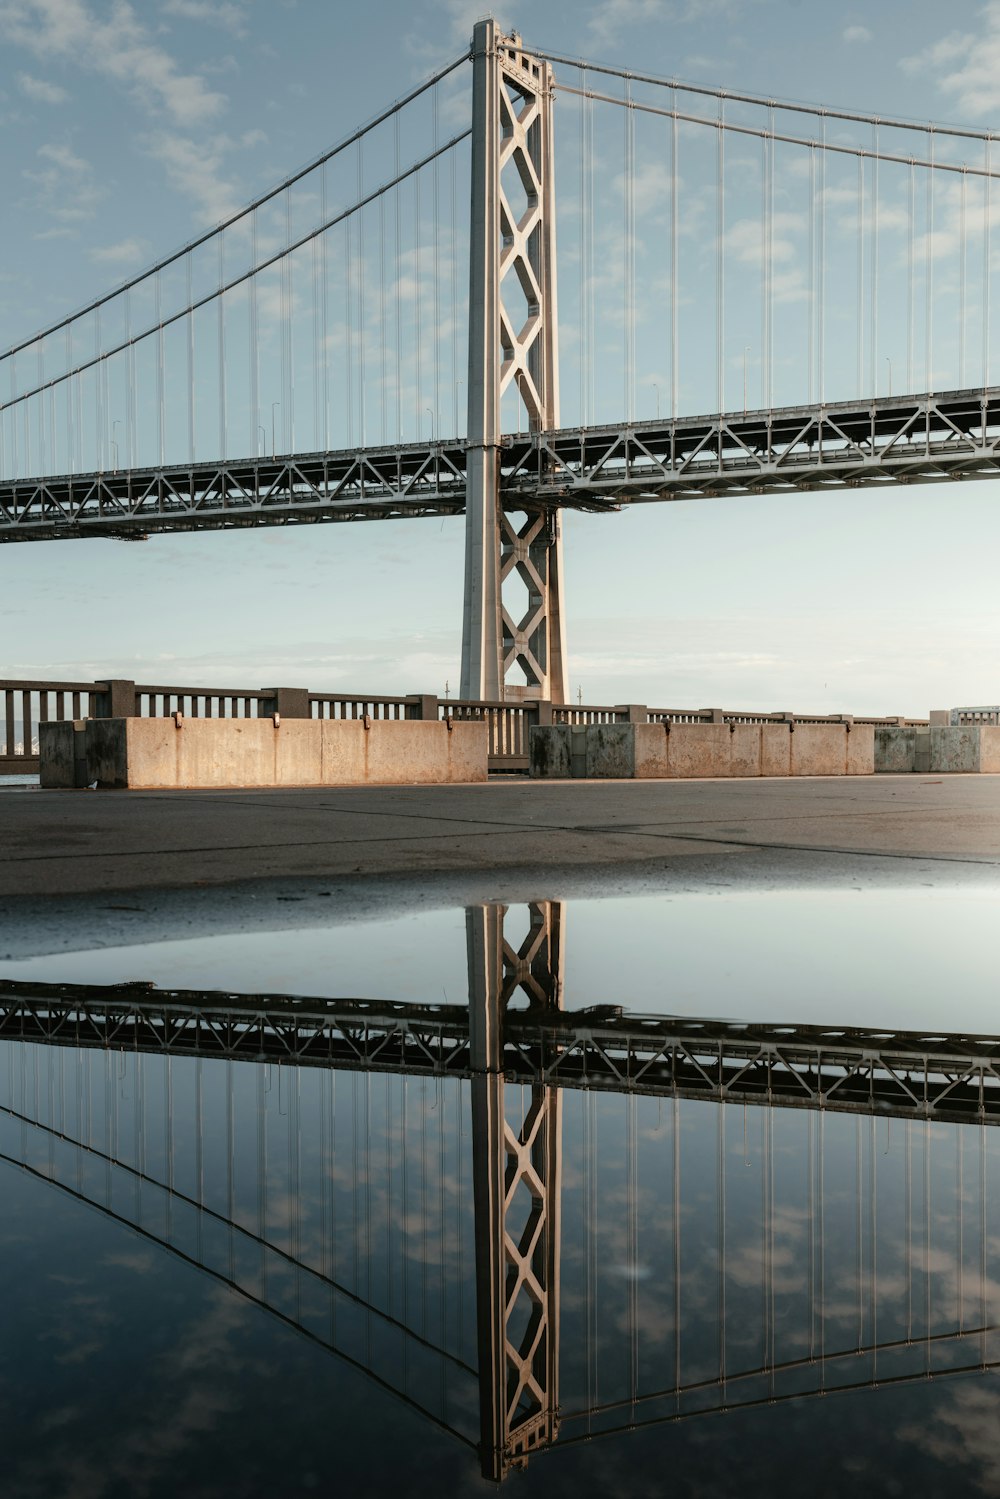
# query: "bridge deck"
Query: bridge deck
{"points": [[890, 440]]}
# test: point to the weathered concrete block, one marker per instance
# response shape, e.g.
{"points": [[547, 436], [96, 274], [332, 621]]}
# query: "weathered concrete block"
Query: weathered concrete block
{"points": [[652, 752], [775, 749], [861, 750], [922, 751], [703, 750], [989, 749], [62, 754], [611, 751], [895, 749], [549, 753], [160, 753], [953, 750], [407, 751]]}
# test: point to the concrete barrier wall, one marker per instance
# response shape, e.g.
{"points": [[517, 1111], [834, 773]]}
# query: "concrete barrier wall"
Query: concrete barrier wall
{"points": [[62, 753], [708, 751], [159, 753]]}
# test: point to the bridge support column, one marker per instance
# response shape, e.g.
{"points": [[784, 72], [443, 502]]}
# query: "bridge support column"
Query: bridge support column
{"points": [[516, 1188], [512, 264]]}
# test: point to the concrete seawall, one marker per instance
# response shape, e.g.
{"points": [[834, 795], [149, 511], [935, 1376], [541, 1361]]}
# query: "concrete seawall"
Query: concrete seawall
{"points": [[161, 753], [687, 751]]}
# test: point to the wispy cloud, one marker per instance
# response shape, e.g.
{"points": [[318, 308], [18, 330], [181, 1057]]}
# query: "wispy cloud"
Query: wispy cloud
{"points": [[965, 66], [195, 168], [224, 13], [40, 90], [65, 184], [125, 252], [856, 34], [114, 44]]}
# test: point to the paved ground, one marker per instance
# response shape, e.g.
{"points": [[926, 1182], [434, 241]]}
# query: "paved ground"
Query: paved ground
{"points": [[84, 842]]}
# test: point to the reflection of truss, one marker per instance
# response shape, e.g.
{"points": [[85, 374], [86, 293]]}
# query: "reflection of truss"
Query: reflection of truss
{"points": [[854, 1070]]}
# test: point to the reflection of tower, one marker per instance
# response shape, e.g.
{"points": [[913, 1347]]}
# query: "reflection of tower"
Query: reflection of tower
{"points": [[516, 1175]]}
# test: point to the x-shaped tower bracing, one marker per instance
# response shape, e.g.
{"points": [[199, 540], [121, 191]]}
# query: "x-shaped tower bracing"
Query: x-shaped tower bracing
{"points": [[512, 258]]}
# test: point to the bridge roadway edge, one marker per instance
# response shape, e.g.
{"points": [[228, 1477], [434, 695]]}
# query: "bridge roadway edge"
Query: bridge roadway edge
{"points": [[82, 869]]}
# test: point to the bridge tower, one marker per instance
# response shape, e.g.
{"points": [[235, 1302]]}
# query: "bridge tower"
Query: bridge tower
{"points": [[511, 253], [516, 1184]]}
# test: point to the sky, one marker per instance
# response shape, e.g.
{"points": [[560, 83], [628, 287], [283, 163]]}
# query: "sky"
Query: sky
{"points": [[129, 128]]}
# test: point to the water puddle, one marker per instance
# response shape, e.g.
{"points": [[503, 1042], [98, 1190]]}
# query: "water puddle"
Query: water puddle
{"points": [[543, 1194]]}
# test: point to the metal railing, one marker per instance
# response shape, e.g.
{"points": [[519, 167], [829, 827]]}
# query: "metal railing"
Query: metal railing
{"points": [[26, 704]]}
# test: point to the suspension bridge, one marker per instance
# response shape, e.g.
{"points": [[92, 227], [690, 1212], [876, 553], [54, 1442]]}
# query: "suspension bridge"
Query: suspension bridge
{"points": [[767, 297], [534, 1225]]}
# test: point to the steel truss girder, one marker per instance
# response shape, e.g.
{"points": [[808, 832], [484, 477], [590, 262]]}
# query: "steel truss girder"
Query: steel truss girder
{"points": [[902, 440], [898, 440], [358, 484]]}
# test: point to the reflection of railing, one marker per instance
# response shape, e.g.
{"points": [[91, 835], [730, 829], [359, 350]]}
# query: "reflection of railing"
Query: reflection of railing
{"points": [[845, 1070], [509, 721]]}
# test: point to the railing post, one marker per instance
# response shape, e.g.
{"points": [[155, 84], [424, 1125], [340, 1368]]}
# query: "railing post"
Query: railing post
{"points": [[543, 709], [426, 707], [288, 702], [632, 713], [115, 698]]}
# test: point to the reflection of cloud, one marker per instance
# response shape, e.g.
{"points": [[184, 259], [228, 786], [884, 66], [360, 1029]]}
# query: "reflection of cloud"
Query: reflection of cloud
{"points": [[961, 1433]]}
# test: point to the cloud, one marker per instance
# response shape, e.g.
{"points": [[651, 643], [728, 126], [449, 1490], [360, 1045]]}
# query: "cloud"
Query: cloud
{"points": [[125, 252], [965, 66], [222, 13], [41, 91], [856, 34], [118, 47], [195, 168], [65, 185]]}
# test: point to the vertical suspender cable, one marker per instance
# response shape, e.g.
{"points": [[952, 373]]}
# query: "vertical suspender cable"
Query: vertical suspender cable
{"points": [[583, 250], [288, 422], [130, 394], [221, 305], [629, 253], [929, 269], [436, 220], [811, 334], [591, 330], [397, 273], [417, 321], [910, 255], [859, 381], [764, 351], [362, 391], [317, 433], [874, 271], [70, 387], [455, 377], [98, 404], [349, 318], [190, 361], [254, 349], [986, 265], [674, 338], [961, 280], [382, 372], [160, 382], [821, 320], [720, 268], [324, 314]]}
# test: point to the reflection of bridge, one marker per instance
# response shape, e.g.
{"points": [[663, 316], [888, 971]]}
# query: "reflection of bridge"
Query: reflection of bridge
{"points": [[315, 1157]]}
